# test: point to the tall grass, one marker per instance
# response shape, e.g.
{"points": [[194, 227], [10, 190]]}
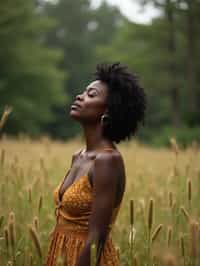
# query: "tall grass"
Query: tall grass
{"points": [[158, 223]]}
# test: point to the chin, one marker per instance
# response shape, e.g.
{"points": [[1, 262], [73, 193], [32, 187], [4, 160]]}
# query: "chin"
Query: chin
{"points": [[74, 115]]}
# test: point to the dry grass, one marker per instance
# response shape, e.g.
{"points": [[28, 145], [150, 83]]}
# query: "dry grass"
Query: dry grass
{"points": [[160, 226]]}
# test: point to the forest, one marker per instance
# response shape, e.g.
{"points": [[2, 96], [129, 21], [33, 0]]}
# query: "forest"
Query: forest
{"points": [[49, 51]]}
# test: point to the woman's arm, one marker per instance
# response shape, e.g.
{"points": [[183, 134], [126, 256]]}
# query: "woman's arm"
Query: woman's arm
{"points": [[105, 186]]}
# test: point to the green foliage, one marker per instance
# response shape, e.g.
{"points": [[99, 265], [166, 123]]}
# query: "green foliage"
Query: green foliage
{"points": [[159, 54], [185, 136], [49, 50], [29, 78], [78, 31]]}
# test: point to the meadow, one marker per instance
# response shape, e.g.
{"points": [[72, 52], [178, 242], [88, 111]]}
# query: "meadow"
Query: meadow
{"points": [[159, 220]]}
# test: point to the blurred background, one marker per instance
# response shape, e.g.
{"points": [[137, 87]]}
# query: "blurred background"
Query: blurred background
{"points": [[49, 51]]}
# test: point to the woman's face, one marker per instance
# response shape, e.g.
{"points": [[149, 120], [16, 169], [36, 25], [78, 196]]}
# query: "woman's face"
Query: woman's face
{"points": [[91, 104]]}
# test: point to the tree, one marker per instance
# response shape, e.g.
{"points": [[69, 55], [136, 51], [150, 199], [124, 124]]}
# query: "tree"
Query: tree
{"points": [[29, 79], [189, 10], [172, 65], [78, 32], [168, 13]]}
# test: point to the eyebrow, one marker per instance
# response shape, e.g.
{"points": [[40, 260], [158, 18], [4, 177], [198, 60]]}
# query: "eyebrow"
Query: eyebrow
{"points": [[92, 88]]}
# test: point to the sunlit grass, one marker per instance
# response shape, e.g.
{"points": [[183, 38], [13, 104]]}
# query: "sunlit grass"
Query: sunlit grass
{"points": [[164, 185]]}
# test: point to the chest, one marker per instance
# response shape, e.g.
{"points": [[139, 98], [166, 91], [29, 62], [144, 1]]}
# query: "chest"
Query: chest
{"points": [[78, 169], [77, 198]]}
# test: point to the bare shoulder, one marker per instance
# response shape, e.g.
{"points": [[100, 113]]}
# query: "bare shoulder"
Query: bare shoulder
{"points": [[109, 157], [75, 155], [109, 164]]}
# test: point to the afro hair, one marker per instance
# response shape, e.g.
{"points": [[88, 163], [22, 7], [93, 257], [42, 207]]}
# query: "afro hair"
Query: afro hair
{"points": [[126, 101]]}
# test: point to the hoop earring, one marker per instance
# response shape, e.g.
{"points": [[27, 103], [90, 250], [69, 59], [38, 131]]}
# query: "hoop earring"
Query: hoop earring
{"points": [[104, 118]]}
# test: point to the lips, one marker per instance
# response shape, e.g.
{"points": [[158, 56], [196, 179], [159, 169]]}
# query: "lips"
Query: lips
{"points": [[75, 105]]}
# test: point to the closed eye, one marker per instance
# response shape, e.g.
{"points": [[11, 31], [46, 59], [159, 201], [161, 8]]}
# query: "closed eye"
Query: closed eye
{"points": [[92, 92]]}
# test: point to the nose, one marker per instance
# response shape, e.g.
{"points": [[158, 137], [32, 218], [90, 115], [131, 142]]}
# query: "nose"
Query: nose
{"points": [[79, 97]]}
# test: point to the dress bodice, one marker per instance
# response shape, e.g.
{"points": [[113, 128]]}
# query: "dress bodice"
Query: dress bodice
{"points": [[70, 234], [75, 205]]}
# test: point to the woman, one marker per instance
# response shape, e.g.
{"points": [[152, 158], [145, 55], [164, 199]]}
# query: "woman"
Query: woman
{"points": [[89, 197]]}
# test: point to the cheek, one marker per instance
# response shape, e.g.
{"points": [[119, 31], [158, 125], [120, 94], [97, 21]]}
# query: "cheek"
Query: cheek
{"points": [[94, 109]]}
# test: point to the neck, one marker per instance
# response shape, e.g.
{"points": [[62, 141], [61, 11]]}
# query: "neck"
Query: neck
{"points": [[94, 138]]}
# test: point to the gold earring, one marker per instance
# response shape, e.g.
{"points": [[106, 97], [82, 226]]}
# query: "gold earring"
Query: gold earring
{"points": [[104, 117]]}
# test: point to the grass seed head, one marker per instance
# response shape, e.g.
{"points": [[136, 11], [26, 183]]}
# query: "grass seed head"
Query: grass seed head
{"points": [[170, 199], [189, 189], [2, 157], [169, 236], [40, 203], [11, 229], [6, 236], [132, 234], [35, 238], [182, 245], [4, 117], [117, 248], [156, 232], [131, 212], [185, 213], [135, 261], [29, 195], [150, 214], [1, 220], [30, 259], [36, 223], [93, 254], [193, 231], [174, 146]]}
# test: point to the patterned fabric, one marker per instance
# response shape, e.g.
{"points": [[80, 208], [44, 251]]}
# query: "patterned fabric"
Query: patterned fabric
{"points": [[71, 229]]}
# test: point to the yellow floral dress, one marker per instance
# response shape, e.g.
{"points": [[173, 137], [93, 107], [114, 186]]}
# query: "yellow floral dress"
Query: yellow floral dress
{"points": [[71, 230]]}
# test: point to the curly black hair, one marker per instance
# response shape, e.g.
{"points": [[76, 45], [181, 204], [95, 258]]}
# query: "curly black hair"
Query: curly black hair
{"points": [[126, 101]]}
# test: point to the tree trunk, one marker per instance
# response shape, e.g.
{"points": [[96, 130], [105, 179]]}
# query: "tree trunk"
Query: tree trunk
{"points": [[191, 53], [172, 68]]}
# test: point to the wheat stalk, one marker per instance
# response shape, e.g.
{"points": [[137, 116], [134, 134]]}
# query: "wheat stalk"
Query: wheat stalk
{"points": [[182, 247], [131, 212], [156, 232], [30, 260], [150, 214], [93, 255], [185, 213], [40, 203], [35, 239], [174, 146], [3, 152], [1, 220], [4, 117], [6, 236], [193, 233], [36, 223], [11, 230], [135, 261], [169, 235], [29, 195], [189, 191], [170, 199]]}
